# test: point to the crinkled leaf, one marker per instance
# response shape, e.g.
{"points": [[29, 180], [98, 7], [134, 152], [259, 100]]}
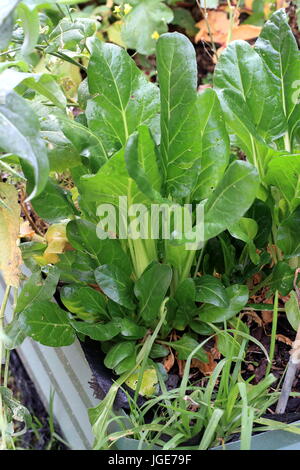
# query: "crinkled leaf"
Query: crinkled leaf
{"points": [[278, 49], [141, 163], [122, 99], [249, 93], [180, 117], [215, 144]]}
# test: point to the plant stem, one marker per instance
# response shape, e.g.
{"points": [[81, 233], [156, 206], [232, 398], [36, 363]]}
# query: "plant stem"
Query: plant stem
{"points": [[200, 260], [293, 364], [11, 50], [273, 335], [3, 420], [287, 142], [205, 16]]}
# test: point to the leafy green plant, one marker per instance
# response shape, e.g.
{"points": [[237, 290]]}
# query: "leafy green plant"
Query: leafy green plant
{"points": [[135, 275]]}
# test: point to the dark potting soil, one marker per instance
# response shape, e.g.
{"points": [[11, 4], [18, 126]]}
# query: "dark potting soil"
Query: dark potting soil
{"points": [[39, 436]]}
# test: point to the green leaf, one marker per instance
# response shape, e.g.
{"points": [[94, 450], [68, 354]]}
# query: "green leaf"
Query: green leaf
{"points": [[288, 235], [180, 117], [146, 17], [76, 267], [84, 140], [289, 166], [184, 19], [14, 335], [122, 100], [42, 83], [97, 331], [261, 213], [282, 278], [246, 230], [210, 290], [7, 21], [150, 289], [116, 284], [31, 28], [238, 297], [17, 411], [292, 311], [185, 298], [130, 330], [85, 302], [71, 34], [278, 48], [185, 346], [141, 162], [232, 198], [37, 288], [215, 144], [158, 351], [21, 137], [54, 203], [201, 327], [83, 236], [249, 94], [48, 324], [120, 355]]}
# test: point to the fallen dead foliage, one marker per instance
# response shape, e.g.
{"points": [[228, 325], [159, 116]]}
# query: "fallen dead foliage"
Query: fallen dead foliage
{"points": [[284, 339], [206, 368], [220, 25], [169, 361], [10, 253]]}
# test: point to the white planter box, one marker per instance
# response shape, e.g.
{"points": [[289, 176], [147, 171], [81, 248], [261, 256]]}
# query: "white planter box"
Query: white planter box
{"points": [[65, 372]]}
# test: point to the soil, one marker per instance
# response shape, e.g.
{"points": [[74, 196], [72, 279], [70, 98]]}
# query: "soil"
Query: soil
{"points": [[39, 437]]}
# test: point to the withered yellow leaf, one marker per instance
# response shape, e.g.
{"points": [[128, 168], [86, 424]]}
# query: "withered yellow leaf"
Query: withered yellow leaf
{"points": [[10, 253], [56, 238]]}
